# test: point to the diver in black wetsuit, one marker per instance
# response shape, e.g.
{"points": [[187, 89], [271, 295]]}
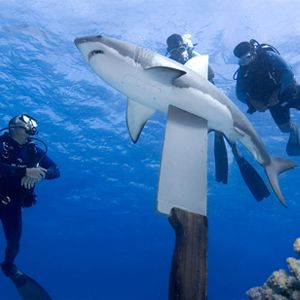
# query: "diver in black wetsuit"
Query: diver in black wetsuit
{"points": [[22, 165], [264, 81]]}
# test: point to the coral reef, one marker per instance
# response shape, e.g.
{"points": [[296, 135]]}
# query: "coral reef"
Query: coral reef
{"points": [[281, 285]]}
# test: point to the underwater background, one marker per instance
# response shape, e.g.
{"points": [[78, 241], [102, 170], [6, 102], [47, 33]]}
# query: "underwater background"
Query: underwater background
{"points": [[95, 232]]}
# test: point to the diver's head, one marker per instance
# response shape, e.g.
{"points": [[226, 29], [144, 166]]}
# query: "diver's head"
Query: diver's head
{"points": [[22, 126], [177, 49], [245, 52]]}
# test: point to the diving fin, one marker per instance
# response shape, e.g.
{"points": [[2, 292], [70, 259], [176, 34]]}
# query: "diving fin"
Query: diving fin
{"points": [[28, 288], [252, 179], [293, 149], [293, 145], [221, 158]]}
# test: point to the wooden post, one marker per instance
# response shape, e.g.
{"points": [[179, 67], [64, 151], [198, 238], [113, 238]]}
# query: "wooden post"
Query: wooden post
{"points": [[188, 277]]}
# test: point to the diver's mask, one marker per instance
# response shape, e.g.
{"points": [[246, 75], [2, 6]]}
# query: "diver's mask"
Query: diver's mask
{"points": [[180, 54], [27, 122], [247, 59]]}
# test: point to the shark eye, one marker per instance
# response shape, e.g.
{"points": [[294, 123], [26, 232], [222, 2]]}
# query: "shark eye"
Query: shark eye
{"points": [[95, 52]]}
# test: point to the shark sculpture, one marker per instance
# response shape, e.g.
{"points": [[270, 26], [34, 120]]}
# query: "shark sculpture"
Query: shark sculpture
{"points": [[153, 82]]}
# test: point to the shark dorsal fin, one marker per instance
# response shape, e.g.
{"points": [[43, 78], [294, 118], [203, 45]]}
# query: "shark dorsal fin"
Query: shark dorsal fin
{"points": [[198, 64], [165, 74], [137, 116]]}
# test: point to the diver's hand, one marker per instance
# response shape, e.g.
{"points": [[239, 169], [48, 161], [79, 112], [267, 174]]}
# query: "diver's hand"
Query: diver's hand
{"points": [[274, 99], [251, 110], [33, 175], [257, 104], [36, 173], [29, 182]]}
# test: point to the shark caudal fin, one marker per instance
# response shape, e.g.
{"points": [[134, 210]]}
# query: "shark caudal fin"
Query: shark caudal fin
{"points": [[277, 166]]}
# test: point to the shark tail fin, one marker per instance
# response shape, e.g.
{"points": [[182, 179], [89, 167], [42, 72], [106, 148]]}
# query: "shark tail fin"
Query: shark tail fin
{"points": [[277, 166]]}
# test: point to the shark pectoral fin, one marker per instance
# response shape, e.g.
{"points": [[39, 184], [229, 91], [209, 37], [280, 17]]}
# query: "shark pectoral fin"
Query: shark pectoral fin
{"points": [[277, 166], [165, 74], [137, 116], [198, 64]]}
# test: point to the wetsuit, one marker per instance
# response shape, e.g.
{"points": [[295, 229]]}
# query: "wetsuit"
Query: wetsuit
{"points": [[270, 81], [14, 159]]}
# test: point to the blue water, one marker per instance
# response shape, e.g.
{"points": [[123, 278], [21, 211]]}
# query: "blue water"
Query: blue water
{"points": [[95, 233]]}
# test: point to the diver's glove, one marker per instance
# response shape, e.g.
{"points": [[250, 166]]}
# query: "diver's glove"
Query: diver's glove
{"points": [[251, 110], [29, 182], [36, 173], [33, 175]]}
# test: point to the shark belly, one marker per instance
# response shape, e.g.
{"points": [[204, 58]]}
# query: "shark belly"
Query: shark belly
{"points": [[159, 97]]}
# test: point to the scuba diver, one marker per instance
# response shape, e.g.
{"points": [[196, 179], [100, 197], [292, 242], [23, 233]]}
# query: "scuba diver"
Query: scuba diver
{"points": [[22, 165], [181, 49], [264, 81]]}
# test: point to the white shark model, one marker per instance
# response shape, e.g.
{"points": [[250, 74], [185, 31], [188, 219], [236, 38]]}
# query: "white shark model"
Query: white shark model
{"points": [[153, 82]]}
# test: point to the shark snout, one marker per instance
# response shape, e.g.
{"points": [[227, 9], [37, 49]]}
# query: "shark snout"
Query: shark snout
{"points": [[87, 39]]}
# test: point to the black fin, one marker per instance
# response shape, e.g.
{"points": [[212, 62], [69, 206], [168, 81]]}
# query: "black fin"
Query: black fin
{"points": [[221, 158], [252, 179], [28, 288], [293, 145], [293, 149]]}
